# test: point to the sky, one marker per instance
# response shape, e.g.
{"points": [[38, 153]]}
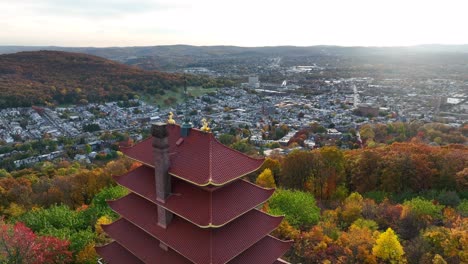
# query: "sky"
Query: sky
{"points": [[105, 23]]}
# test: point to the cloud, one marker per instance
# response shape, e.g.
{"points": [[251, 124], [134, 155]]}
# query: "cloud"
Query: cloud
{"points": [[239, 22], [95, 8]]}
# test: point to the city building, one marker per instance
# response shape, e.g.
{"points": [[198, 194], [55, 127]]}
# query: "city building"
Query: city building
{"points": [[368, 110], [188, 203], [254, 82]]}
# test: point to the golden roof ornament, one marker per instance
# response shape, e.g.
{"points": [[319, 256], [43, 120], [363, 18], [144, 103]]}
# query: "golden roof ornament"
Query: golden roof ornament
{"points": [[205, 127], [171, 121]]}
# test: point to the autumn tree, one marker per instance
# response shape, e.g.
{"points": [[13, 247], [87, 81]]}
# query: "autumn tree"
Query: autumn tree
{"points": [[88, 255], [438, 259], [296, 169], [387, 248], [18, 244], [286, 232], [450, 243], [265, 179], [314, 246], [351, 209], [101, 236], [367, 133], [363, 168], [462, 179], [332, 160], [388, 214], [393, 174], [275, 167], [358, 242]]}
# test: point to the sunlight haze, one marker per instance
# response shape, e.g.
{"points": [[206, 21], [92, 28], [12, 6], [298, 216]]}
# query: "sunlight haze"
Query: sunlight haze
{"points": [[104, 23]]}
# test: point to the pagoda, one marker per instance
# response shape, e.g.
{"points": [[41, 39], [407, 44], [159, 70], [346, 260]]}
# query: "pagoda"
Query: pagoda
{"points": [[188, 203]]}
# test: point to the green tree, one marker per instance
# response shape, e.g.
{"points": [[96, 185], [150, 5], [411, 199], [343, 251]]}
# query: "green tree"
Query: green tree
{"points": [[226, 139], [423, 209], [88, 148], [59, 221], [462, 208], [4, 173], [298, 207], [242, 146]]}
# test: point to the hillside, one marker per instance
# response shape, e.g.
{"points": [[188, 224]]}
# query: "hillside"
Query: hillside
{"points": [[175, 57], [55, 77]]}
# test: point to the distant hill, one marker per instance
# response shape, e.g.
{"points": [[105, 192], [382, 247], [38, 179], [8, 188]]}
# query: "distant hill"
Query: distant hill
{"points": [[174, 57], [56, 77], [125, 53]]}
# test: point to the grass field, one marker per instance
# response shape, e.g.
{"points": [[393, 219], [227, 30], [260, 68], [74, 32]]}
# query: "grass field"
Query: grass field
{"points": [[175, 97]]}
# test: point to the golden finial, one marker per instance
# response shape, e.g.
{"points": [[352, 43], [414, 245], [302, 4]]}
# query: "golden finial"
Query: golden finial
{"points": [[170, 120], [205, 127]]}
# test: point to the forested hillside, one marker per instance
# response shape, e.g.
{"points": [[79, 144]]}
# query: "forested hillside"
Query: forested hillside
{"points": [[398, 203], [54, 77]]}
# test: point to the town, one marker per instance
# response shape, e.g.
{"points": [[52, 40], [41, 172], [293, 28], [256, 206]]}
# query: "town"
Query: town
{"points": [[337, 105]]}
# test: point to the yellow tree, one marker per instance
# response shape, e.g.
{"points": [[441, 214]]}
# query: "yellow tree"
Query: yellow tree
{"points": [[101, 236], [388, 248], [265, 179], [103, 220], [357, 243], [438, 259], [366, 132], [88, 255], [351, 209]]}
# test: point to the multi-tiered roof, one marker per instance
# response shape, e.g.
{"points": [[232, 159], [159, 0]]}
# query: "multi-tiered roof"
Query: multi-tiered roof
{"points": [[209, 215]]}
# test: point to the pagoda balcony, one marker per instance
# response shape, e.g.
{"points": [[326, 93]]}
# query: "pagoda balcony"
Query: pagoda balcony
{"points": [[203, 206], [199, 245]]}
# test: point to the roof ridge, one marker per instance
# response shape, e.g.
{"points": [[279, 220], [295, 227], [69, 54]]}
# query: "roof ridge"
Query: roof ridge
{"points": [[210, 158], [274, 218], [284, 241], [261, 187]]}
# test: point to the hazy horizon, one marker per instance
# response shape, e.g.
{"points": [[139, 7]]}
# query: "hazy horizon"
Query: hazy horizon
{"points": [[264, 46], [126, 23]]}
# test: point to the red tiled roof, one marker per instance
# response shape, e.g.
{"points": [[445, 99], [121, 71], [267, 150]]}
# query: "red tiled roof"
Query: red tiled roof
{"points": [[210, 245], [266, 251], [199, 159], [146, 247], [116, 254], [141, 244], [202, 207]]}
